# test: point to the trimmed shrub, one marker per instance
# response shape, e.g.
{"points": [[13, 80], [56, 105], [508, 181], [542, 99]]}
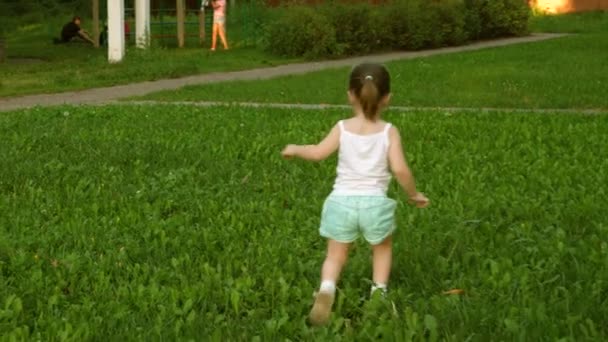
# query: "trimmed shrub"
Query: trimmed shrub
{"points": [[354, 33], [404, 22], [452, 20], [384, 22], [354, 29], [498, 18], [417, 24], [301, 31], [472, 19]]}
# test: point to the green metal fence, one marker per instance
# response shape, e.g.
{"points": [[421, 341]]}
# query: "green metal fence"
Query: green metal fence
{"points": [[242, 27]]}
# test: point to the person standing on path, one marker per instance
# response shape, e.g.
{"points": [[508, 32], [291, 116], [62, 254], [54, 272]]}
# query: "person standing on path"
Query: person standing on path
{"points": [[219, 23], [368, 150]]}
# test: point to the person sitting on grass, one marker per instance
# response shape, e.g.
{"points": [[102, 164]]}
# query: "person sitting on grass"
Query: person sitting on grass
{"points": [[72, 30], [368, 149]]}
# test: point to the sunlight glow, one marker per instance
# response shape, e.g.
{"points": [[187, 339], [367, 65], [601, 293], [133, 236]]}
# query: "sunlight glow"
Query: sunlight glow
{"points": [[565, 6]]}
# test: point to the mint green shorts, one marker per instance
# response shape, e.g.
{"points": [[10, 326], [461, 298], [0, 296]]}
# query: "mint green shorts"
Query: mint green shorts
{"points": [[344, 218]]}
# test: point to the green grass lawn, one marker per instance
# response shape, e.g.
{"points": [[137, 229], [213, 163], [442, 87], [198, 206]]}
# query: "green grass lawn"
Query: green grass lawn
{"points": [[569, 72], [63, 68], [126, 223], [84, 67], [584, 22]]}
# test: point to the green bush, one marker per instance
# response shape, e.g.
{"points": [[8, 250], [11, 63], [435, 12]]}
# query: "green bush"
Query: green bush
{"points": [[384, 22], [417, 24], [392, 25], [355, 29], [498, 18], [301, 31], [472, 19], [452, 20]]}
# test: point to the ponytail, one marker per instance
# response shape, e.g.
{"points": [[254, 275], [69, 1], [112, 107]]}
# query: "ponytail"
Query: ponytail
{"points": [[369, 98], [370, 83]]}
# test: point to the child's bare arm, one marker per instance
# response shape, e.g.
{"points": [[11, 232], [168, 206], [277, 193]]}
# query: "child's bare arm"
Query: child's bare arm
{"points": [[317, 152], [401, 170]]}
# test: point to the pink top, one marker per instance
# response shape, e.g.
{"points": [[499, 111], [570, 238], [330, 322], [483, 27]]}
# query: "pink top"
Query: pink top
{"points": [[219, 8]]}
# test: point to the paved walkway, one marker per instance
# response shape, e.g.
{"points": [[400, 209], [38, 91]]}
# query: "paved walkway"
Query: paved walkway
{"points": [[103, 95]]}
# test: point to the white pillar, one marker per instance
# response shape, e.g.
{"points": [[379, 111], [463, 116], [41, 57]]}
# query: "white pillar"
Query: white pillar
{"points": [[116, 30], [142, 23]]}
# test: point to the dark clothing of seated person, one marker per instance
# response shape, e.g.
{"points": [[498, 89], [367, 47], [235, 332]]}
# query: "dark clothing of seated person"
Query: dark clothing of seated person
{"points": [[72, 30]]}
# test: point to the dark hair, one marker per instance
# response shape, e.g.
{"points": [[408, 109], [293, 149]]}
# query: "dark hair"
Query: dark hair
{"points": [[370, 83]]}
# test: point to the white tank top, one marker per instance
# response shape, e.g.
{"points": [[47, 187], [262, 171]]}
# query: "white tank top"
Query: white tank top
{"points": [[363, 168]]}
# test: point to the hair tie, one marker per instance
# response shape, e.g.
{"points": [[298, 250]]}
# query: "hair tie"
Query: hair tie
{"points": [[369, 77]]}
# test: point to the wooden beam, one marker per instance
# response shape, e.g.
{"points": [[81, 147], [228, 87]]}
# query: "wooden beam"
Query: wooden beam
{"points": [[180, 7], [201, 26], [96, 22]]}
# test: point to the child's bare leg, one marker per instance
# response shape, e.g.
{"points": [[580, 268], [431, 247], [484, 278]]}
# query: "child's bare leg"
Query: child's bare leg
{"points": [[222, 32], [383, 258], [337, 254], [213, 36]]}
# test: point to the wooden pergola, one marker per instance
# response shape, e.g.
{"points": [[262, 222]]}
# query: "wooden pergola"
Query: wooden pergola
{"points": [[116, 26]]}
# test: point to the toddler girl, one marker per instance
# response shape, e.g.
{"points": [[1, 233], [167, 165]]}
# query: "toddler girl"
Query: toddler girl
{"points": [[369, 149]]}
